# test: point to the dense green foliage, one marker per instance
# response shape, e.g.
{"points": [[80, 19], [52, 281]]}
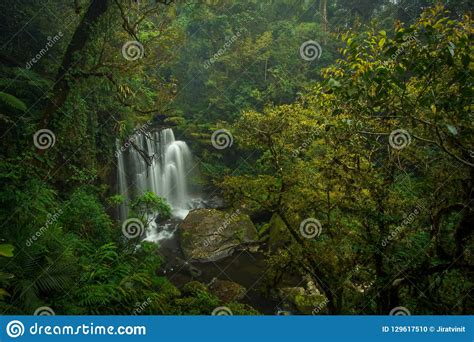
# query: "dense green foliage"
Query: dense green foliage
{"points": [[373, 141], [396, 219]]}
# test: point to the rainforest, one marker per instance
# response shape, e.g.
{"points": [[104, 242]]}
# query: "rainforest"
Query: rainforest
{"points": [[236, 157]]}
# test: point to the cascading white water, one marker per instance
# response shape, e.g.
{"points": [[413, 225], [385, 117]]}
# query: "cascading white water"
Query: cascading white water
{"points": [[166, 174]]}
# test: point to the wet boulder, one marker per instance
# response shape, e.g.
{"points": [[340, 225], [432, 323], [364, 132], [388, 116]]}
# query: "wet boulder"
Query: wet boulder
{"points": [[211, 234], [226, 290]]}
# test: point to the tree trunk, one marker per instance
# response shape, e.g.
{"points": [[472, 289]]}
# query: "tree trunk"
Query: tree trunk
{"points": [[317, 276], [324, 13], [75, 48]]}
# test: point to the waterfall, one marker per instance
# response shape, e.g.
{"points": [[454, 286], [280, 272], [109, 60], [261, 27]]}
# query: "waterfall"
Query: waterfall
{"points": [[165, 174]]}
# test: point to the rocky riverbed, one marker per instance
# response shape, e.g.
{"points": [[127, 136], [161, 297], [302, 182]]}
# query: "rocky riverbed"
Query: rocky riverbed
{"points": [[220, 250]]}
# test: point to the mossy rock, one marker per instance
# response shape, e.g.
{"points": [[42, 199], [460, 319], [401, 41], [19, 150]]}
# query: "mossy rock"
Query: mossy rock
{"points": [[289, 294], [211, 234], [307, 303], [239, 309], [300, 299], [194, 287], [227, 291]]}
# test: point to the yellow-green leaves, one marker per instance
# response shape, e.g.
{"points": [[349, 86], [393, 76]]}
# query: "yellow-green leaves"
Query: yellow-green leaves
{"points": [[381, 43], [6, 250]]}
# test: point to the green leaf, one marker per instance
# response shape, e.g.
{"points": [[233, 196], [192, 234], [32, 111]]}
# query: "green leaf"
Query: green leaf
{"points": [[3, 293], [452, 129], [6, 250], [451, 48], [12, 101], [333, 83], [381, 42]]}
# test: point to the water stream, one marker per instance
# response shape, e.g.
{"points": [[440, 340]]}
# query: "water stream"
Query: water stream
{"points": [[166, 174]]}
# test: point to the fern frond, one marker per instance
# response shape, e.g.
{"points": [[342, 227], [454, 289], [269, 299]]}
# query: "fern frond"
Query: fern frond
{"points": [[12, 101]]}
